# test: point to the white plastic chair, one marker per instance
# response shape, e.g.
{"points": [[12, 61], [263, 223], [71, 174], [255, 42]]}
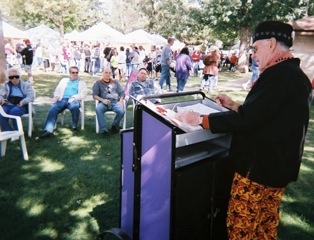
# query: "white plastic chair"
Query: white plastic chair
{"points": [[82, 110], [111, 113], [29, 115], [13, 135]]}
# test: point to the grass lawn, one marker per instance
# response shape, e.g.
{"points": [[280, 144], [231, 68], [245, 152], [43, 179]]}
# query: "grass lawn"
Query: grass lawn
{"points": [[69, 189]]}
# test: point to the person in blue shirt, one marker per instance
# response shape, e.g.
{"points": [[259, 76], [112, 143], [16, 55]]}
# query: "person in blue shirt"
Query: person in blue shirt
{"points": [[14, 98], [255, 74], [68, 94]]}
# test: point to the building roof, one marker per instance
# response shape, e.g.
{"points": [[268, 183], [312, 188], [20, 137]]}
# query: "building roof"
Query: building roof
{"points": [[304, 26]]}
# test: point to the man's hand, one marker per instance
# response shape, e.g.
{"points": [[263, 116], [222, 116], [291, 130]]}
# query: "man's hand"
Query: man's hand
{"points": [[105, 101], [21, 104], [71, 100], [4, 101], [121, 101], [56, 99], [226, 101]]}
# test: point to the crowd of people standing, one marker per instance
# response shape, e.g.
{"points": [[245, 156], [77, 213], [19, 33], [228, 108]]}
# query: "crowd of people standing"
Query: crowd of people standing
{"points": [[93, 57]]}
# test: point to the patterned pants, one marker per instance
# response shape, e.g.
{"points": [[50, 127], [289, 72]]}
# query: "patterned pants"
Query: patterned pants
{"points": [[253, 211]]}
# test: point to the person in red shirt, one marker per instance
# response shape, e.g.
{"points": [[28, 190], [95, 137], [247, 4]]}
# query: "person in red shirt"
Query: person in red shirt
{"points": [[233, 60], [196, 55]]}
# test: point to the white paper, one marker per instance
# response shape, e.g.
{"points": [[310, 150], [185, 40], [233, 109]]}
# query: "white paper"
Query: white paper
{"points": [[199, 108], [170, 116]]}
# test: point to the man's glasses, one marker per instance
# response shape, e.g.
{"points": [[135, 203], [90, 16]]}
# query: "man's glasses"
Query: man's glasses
{"points": [[15, 76], [74, 72]]}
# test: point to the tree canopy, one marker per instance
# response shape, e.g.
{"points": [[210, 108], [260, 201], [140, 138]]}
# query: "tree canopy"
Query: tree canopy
{"points": [[191, 21]]}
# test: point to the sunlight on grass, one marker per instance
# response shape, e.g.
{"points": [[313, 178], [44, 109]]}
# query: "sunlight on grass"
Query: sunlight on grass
{"points": [[294, 220], [86, 206], [79, 230], [46, 233], [306, 169], [83, 213], [70, 188], [94, 151], [107, 167], [36, 210], [287, 198], [50, 166], [31, 207], [309, 149], [75, 143], [29, 176]]}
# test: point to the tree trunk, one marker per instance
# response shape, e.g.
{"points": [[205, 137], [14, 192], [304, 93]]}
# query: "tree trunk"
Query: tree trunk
{"points": [[245, 40]]}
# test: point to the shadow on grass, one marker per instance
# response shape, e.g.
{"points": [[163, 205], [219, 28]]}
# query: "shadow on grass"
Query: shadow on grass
{"points": [[67, 180], [297, 217], [69, 189]]}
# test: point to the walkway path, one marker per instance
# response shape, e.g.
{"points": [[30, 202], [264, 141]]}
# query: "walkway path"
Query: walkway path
{"points": [[235, 84]]}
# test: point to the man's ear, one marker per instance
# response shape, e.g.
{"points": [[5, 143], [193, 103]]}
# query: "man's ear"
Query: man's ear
{"points": [[273, 43]]}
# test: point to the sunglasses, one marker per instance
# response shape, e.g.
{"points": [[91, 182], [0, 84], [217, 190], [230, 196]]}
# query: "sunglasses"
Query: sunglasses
{"points": [[15, 76], [74, 72]]}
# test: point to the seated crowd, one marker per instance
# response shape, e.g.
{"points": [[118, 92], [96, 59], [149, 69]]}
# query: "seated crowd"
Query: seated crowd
{"points": [[109, 95]]}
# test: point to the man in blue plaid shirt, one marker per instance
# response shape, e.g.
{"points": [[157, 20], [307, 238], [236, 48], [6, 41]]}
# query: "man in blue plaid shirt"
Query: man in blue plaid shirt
{"points": [[143, 86]]}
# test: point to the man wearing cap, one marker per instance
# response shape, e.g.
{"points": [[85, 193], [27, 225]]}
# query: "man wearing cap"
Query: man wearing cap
{"points": [[268, 134], [28, 54]]}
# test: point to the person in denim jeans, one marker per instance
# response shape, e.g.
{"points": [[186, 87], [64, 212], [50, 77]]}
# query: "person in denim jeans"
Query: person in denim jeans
{"points": [[14, 97], [128, 63], [166, 58], [110, 95], [183, 67], [254, 77], [67, 95]]}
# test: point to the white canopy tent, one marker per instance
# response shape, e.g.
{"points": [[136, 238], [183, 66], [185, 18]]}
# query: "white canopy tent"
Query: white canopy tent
{"points": [[158, 39], [12, 32], [140, 36], [103, 32], [177, 45], [42, 32], [73, 36], [45, 35]]}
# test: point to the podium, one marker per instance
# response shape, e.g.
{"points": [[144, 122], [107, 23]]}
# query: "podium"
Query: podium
{"points": [[175, 184]]}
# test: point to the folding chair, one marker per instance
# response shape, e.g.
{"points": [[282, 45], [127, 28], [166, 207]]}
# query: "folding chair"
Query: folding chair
{"points": [[29, 115], [13, 135], [82, 110], [113, 114]]}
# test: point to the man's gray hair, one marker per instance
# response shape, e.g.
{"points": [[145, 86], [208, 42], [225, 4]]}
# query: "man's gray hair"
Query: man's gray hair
{"points": [[283, 46], [13, 70]]}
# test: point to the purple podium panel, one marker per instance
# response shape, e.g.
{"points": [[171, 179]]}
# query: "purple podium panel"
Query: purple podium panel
{"points": [[156, 165], [127, 183]]}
